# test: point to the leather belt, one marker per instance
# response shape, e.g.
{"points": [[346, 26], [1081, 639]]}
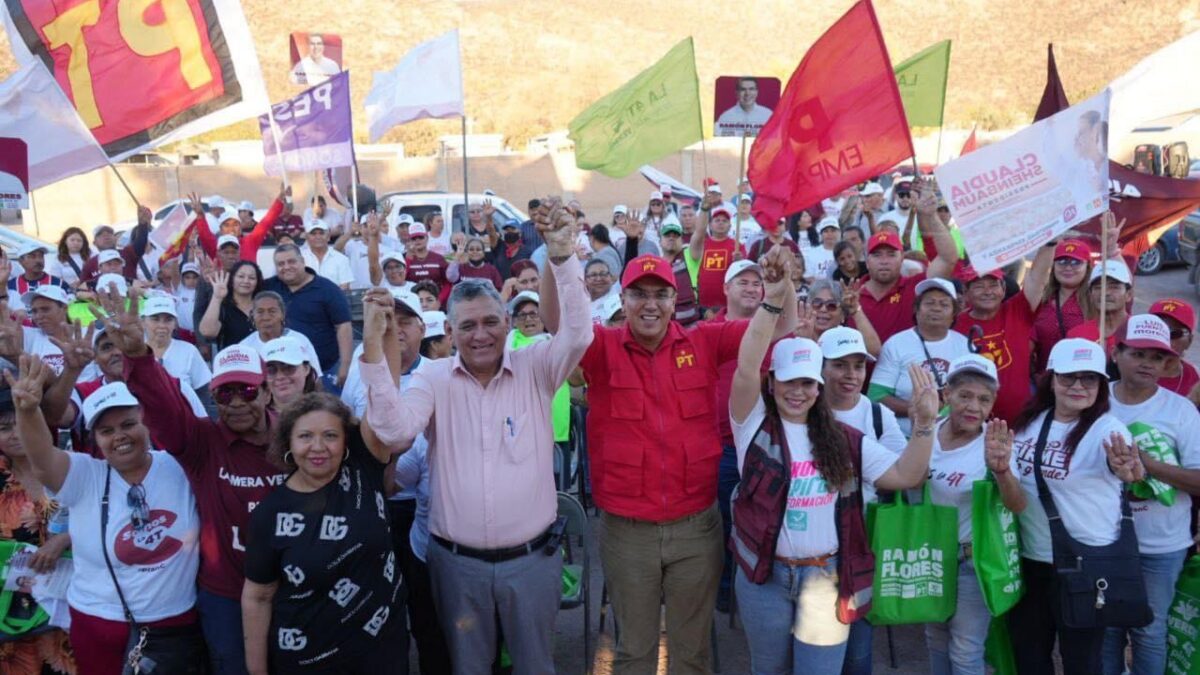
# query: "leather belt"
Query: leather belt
{"points": [[495, 555], [818, 561]]}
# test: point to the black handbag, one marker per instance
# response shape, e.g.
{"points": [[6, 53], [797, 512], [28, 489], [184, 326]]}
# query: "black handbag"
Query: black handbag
{"points": [[1098, 586], [150, 649]]}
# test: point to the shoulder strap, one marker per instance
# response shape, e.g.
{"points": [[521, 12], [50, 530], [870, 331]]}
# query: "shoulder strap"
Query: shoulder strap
{"points": [[75, 266], [104, 547], [1062, 329], [877, 419]]}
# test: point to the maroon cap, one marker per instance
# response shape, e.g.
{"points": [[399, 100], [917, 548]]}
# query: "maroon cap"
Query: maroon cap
{"points": [[967, 274], [645, 266], [884, 238], [1073, 248], [1177, 309]]}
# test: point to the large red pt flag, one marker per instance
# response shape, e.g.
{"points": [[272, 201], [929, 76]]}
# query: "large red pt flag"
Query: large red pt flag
{"points": [[840, 121]]}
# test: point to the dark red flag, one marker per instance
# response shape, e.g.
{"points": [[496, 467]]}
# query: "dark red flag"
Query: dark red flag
{"points": [[839, 122], [971, 145], [1148, 204]]}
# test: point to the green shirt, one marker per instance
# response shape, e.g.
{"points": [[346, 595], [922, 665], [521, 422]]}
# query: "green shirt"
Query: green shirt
{"points": [[560, 405]]}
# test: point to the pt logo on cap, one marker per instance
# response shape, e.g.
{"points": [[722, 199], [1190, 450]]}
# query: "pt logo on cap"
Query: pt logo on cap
{"points": [[1070, 248], [1170, 307], [648, 264]]}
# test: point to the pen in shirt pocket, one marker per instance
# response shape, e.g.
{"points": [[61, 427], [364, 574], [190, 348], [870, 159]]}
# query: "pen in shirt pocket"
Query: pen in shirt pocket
{"points": [[508, 421]]}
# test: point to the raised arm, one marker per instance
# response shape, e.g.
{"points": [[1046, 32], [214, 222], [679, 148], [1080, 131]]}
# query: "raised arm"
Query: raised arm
{"points": [[77, 354], [208, 240], [570, 297], [1039, 275], [210, 323], [393, 419], [50, 465], [997, 449], [852, 308], [747, 379], [931, 226], [263, 227], [912, 466]]}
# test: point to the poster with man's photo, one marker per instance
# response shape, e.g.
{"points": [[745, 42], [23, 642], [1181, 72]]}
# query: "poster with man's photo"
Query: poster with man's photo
{"points": [[316, 57], [743, 104]]}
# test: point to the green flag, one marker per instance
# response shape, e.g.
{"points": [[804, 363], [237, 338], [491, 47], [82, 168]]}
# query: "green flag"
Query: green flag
{"points": [[652, 115], [922, 84]]}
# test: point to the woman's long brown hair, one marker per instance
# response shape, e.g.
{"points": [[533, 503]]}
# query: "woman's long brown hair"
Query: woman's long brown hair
{"points": [[830, 446]]}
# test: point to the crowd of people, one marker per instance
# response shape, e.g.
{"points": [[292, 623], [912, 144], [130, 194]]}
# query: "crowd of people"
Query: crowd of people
{"points": [[249, 479]]}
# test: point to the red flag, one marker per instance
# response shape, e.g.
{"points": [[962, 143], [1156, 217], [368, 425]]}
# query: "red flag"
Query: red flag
{"points": [[971, 145], [1149, 205], [839, 122]]}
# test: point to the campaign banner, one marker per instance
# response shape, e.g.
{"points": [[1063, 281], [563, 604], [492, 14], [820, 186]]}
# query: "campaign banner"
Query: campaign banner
{"points": [[141, 74], [742, 105], [322, 57], [1010, 197], [314, 129], [14, 174]]}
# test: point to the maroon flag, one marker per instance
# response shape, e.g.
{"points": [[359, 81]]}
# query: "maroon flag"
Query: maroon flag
{"points": [[971, 145], [1148, 204]]}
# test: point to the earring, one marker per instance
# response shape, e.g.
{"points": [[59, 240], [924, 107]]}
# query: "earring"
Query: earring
{"points": [[287, 457]]}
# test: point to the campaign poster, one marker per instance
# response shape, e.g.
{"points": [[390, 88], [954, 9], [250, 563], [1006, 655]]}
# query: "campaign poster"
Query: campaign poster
{"points": [[743, 104], [315, 57]]}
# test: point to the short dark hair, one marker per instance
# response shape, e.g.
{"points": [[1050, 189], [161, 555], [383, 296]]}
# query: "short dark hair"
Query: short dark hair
{"points": [[429, 286], [287, 248], [281, 443], [534, 203]]}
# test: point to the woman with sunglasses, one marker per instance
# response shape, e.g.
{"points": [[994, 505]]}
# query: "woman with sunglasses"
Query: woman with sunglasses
{"points": [[292, 371], [1086, 456], [1167, 429], [930, 344], [795, 597], [323, 588], [134, 526], [834, 304]]}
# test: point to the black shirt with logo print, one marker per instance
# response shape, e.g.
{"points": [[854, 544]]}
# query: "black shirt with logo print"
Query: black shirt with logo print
{"points": [[331, 552]]}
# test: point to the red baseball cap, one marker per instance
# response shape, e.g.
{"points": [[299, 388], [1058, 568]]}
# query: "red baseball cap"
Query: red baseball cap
{"points": [[1177, 309], [645, 266], [1073, 248], [1146, 331], [884, 238], [967, 274]]}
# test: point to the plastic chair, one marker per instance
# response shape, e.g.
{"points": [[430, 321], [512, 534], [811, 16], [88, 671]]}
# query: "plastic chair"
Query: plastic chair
{"points": [[575, 547]]}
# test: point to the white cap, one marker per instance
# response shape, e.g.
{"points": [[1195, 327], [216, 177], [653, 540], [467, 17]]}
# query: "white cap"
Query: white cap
{"points": [[871, 188], [740, 266], [1113, 269], [111, 395], [158, 304], [404, 218], [891, 217], [937, 285], [390, 256], [745, 198], [620, 208], [228, 239], [289, 350], [239, 364], [214, 200], [842, 341], [610, 306], [973, 363], [656, 195], [409, 300], [31, 247], [827, 223], [795, 358], [315, 224], [48, 291], [246, 206], [1076, 355], [106, 280], [189, 267], [521, 298], [715, 187], [417, 229], [435, 323], [1146, 331], [108, 255]]}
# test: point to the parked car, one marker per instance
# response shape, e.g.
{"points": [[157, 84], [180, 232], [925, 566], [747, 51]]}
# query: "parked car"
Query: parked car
{"points": [[1189, 242], [421, 203], [1164, 252]]}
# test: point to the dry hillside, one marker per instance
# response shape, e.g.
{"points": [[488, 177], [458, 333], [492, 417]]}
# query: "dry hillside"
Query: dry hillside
{"points": [[531, 65]]}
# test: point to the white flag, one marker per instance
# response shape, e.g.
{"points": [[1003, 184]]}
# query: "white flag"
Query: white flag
{"points": [[426, 83], [34, 109], [1157, 87]]}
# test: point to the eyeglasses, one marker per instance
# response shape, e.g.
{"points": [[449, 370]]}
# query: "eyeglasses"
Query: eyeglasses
{"points": [[525, 316], [285, 369], [139, 511], [638, 295], [827, 305], [903, 195], [1180, 333], [597, 275], [1068, 380], [225, 394], [1068, 262]]}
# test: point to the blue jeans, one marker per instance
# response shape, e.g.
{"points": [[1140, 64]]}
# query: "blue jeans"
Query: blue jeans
{"points": [[859, 649], [221, 621], [791, 620], [1160, 573], [956, 647], [728, 476]]}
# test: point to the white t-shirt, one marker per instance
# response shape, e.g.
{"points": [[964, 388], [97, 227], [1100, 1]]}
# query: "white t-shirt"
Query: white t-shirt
{"points": [[904, 348], [1172, 421], [157, 565], [952, 474], [735, 121], [818, 262], [860, 418], [599, 303], [809, 523], [335, 266], [356, 253], [185, 304], [37, 344], [64, 270], [751, 230], [1086, 492], [441, 243], [183, 361]]}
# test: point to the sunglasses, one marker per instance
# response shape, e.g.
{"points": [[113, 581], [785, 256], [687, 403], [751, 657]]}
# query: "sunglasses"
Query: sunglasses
{"points": [[139, 511], [903, 195], [827, 305], [285, 369], [1068, 380], [1068, 262], [225, 394]]}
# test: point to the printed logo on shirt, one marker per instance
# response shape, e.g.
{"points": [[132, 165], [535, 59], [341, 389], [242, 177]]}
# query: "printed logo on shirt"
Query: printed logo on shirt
{"points": [[379, 618], [343, 592], [288, 524], [1056, 462], [936, 367], [953, 478], [716, 261], [344, 480], [995, 348], [295, 575], [379, 506], [292, 639], [334, 528], [389, 567], [685, 358], [894, 298], [807, 490], [149, 545]]}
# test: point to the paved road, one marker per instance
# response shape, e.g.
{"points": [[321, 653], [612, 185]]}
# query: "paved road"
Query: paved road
{"points": [[909, 641]]}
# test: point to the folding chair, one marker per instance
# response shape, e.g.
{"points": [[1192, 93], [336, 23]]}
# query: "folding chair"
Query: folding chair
{"points": [[575, 545]]}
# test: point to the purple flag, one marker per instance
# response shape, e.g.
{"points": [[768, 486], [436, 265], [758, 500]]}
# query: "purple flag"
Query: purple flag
{"points": [[315, 130]]}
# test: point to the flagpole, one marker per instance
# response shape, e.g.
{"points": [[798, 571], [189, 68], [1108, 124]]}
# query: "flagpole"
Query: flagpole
{"points": [[1103, 277], [278, 145], [737, 230], [703, 147], [123, 183], [37, 224], [354, 191], [466, 203]]}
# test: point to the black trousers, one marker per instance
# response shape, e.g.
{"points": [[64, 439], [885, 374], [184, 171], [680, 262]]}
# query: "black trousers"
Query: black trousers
{"points": [[1036, 622], [432, 653]]}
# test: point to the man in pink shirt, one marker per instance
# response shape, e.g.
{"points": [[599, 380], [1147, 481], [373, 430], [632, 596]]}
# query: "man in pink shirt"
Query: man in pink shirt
{"points": [[486, 415]]}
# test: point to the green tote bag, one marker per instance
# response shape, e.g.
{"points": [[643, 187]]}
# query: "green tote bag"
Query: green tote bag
{"points": [[1183, 623], [916, 562], [997, 547]]}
